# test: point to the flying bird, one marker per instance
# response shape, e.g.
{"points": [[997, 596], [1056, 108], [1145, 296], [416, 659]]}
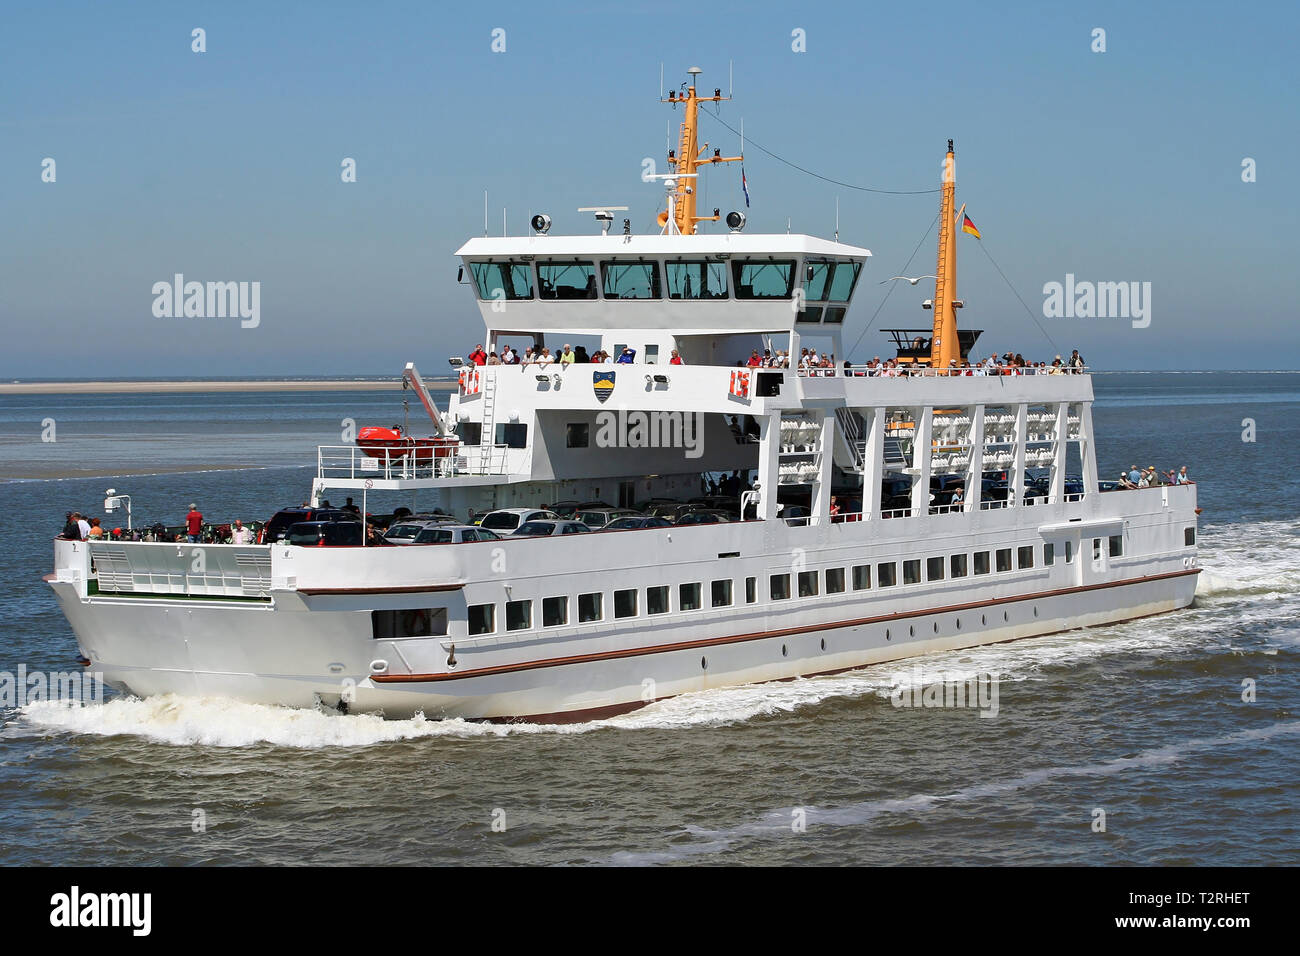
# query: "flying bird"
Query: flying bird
{"points": [[908, 278]]}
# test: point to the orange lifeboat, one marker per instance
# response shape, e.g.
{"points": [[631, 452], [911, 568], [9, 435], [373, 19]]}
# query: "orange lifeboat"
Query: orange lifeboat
{"points": [[390, 443]]}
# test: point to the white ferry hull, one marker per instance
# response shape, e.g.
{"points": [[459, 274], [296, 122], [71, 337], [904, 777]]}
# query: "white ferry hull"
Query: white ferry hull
{"points": [[256, 653]]}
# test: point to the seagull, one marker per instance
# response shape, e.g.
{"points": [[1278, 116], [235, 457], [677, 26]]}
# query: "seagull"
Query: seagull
{"points": [[908, 278]]}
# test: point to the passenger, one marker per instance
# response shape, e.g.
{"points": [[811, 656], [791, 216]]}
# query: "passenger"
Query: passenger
{"points": [[194, 523], [580, 355], [347, 506], [1124, 482], [626, 357], [676, 358], [835, 508], [509, 356], [71, 530], [84, 526], [1182, 477], [478, 356], [754, 360], [1134, 476], [241, 535], [567, 357], [494, 359], [546, 358], [96, 532], [958, 496]]}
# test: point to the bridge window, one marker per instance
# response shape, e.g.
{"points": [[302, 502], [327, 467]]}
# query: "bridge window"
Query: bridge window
{"points": [[843, 281], [696, 279], [815, 276], [630, 279], [508, 280], [763, 278], [566, 280]]}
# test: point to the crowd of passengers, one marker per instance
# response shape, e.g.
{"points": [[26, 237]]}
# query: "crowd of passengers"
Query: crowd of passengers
{"points": [[79, 526], [809, 362], [1137, 477], [568, 355]]}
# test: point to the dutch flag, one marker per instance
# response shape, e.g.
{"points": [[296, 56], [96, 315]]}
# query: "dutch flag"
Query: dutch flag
{"points": [[744, 185]]}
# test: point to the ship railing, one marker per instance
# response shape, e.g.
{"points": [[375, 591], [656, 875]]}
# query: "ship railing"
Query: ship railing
{"points": [[208, 570], [909, 371], [896, 513], [350, 461]]}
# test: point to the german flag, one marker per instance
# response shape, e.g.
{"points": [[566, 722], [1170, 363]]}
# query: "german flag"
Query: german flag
{"points": [[968, 226]]}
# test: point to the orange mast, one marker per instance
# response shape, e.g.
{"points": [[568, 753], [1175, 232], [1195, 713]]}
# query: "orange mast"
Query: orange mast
{"points": [[689, 156], [944, 346]]}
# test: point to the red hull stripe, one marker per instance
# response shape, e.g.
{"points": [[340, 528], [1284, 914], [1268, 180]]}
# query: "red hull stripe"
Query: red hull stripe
{"points": [[757, 636]]}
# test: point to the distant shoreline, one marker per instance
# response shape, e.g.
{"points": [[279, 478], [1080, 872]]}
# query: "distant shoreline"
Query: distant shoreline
{"points": [[122, 388]]}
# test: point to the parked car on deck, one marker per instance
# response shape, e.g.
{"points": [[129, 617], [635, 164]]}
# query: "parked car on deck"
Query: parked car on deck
{"points": [[324, 534], [506, 520], [535, 529], [454, 534], [637, 523], [283, 519]]}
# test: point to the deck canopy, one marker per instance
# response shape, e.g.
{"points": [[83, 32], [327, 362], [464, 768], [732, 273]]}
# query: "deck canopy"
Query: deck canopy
{"points": [[719, 284]]}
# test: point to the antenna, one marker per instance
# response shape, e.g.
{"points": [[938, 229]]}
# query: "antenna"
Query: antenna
{"points": [[837, 218], [661, 79], [485, 228], [503, 222], [730, 84]]}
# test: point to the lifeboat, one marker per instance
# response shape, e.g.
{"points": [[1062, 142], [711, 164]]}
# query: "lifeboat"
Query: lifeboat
{"points": [[390, 443]]}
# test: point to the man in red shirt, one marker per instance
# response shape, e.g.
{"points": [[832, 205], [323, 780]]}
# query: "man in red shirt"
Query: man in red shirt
{"points": [[194, 523], [754, 360], [478, 356]]}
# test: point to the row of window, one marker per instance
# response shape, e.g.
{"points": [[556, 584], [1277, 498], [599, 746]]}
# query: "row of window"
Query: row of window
{"points": [[825, 280], [555, 611]]}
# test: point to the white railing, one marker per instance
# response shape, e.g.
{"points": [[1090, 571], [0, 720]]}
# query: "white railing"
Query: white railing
{"points": [[909, 371], [209, 570], [353, 462]]}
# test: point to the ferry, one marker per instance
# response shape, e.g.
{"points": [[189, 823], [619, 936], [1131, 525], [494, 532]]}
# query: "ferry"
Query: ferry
{"points": [[843, 555]]}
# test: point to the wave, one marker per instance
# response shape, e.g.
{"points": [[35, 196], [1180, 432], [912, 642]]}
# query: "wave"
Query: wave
{"points": [[777, 822]]}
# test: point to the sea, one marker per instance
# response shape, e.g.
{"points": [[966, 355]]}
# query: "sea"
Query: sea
{"points": [[1171, 740]]}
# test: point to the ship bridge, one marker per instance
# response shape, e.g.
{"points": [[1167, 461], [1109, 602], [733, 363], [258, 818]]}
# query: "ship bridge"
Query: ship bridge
{"points": [[712, 297]]}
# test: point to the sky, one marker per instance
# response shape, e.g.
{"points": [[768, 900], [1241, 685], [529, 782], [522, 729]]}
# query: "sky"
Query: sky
{"points": [[1117, 166]]}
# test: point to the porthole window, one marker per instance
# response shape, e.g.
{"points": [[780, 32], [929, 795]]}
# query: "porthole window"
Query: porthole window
{"points": [[704, 663], [784, 650]]}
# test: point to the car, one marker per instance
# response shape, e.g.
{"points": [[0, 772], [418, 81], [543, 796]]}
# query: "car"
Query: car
{"points": [[285, 518], [406, 529], [637, 523], [598, 518], [506, 520], [673, 510], [556, 526], [647, 507], [324, 534], [454, 534], [705, 516]]}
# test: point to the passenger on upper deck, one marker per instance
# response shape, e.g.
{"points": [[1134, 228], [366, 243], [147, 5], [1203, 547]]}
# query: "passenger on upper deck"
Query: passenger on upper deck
{"points": [[509, 356], [580, 355], [676, 358], [754, 360], [567, 357], [478, 356], [546, 358], [627, 357]]}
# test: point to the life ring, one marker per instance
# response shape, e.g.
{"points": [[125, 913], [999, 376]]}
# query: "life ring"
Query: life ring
{"points": [[416, 622], [469, 380], [740, 383]]}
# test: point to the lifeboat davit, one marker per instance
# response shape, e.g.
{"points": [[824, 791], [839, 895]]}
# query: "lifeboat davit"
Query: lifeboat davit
{"points": [[390, 443]]}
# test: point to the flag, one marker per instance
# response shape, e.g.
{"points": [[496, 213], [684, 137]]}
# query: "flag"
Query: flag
{"points": [[968, 226], [744, 184]]}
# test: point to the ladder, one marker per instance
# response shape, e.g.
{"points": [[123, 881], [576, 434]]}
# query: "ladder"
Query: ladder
{"points": [[488, 435]]}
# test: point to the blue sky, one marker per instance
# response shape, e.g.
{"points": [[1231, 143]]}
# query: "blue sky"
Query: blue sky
{"points": [[1115, 166]]}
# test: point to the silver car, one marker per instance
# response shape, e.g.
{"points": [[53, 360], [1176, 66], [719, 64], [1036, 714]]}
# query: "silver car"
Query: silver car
{"points": [[538, 529], [598, 518], [406, 530], [506, 520], [454, 534]]}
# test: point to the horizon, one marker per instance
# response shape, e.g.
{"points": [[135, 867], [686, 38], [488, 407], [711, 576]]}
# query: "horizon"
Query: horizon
{"points": [[1127, 164]]}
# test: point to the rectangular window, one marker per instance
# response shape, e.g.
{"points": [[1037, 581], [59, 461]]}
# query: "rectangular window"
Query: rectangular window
{"points": [[519, 615], [503, 280], [625, 603], [590, 607], [981, 562], [688, 597], [1069, 552], [721, 593], [1004, 559], [763, 278], [751, 590], [1116, 545], [512, 434], [482, 619], [555, 611], [815, 276], [418, 622], [779, 587], [577, 435], [807, 583], [1096, 549], [912, 571], [1189, 536], [651, 355], [886, 574], [1049, 554], [957, 565], [861, 577], [934, 569], [471, 433], [630, 279], [566, 280], [1025, 556], [697, 279], [846, 276], [834, 580], [656, 600]]}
